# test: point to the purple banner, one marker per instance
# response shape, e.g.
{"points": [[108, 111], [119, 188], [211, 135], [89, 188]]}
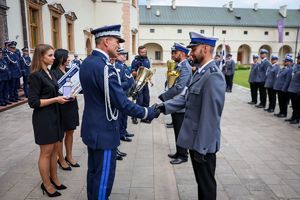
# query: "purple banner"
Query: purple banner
{"points": [[280, 27]]}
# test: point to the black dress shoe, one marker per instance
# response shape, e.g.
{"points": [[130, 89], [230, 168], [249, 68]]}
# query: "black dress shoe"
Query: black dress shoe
{"points": [[281, 115], [125, 139], [276, 114], [271, 110], [295, 121], [289, 119], [122, 154], [118, 157], [64, 168], [178, 161], [73, 165], [259, 106], [252, 102], [146, 121], [266, 109], [135, 121], [129, 135], [174, 156]]}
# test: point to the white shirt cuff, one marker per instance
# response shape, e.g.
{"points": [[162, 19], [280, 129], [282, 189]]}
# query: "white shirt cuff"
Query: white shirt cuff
{"points": [[146, 113]]}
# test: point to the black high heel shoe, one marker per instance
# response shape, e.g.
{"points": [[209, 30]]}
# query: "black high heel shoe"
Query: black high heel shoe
{"points": [[64, 168], [60, 187], [55, 194], [73, 165]]}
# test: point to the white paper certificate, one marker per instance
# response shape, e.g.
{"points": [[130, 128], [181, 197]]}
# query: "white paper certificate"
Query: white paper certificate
{"points": [[73, 74]]}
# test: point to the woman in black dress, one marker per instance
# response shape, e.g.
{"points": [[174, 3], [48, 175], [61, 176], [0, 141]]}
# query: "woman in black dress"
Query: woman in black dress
{"points": [[44, 99], [70, 116]]}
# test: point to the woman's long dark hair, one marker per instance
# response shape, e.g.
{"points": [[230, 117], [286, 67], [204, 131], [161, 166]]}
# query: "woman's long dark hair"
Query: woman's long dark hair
{"points": [[61, 57]]}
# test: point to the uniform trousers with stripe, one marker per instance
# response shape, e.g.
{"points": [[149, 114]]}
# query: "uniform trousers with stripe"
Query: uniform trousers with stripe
{"points": [[101, 173]]}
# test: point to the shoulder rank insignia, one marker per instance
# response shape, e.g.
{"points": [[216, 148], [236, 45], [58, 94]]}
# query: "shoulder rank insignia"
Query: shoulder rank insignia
{"points": [[213, 69]]}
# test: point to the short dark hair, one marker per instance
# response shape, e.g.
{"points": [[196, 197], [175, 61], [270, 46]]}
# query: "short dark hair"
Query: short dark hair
{"points": [[141, 47]]}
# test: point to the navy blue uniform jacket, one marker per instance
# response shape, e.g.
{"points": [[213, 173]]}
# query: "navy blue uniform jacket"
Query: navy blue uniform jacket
{"points": [[96, 131]]}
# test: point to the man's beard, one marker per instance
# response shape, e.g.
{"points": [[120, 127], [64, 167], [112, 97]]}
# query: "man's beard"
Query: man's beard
{"points": [[198, 59]]}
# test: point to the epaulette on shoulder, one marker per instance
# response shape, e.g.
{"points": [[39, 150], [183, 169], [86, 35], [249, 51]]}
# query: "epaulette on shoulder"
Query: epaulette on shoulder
{"points": [[213, 69]]}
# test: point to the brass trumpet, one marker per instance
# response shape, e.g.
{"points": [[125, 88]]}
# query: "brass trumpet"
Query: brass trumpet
{"points": [[143, 76], [172, 73]]}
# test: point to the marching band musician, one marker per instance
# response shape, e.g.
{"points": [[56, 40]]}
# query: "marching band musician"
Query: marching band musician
{"points": [[143, 98], [180, 56]]}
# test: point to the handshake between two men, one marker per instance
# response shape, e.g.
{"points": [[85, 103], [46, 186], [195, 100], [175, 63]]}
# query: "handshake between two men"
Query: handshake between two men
{"points": [[154, 111]]}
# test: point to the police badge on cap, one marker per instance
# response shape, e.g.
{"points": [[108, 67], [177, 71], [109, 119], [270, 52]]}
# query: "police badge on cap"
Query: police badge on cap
{"points": [[109, 31]]}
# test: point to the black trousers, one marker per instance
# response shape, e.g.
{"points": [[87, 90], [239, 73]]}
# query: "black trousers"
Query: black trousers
{"points": [[143, 98], [283, 99], [253, 90], [272, 98], [205, 176], [25, 86], [177, 119], [262, 93], [295, 99], [229, 82]]}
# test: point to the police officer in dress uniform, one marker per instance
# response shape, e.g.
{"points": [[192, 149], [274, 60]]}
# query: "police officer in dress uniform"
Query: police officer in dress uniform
{"points": [[294, 91], [4, 78], [18, 52], [261, 77], [281, 85], [13, 59], [252, 75], [5, 49], [76, 61], [271, 74], [203, 102], [143, 98], [179, 55], [126, 82], [25, 63], [228, 70], [104, 98]]}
